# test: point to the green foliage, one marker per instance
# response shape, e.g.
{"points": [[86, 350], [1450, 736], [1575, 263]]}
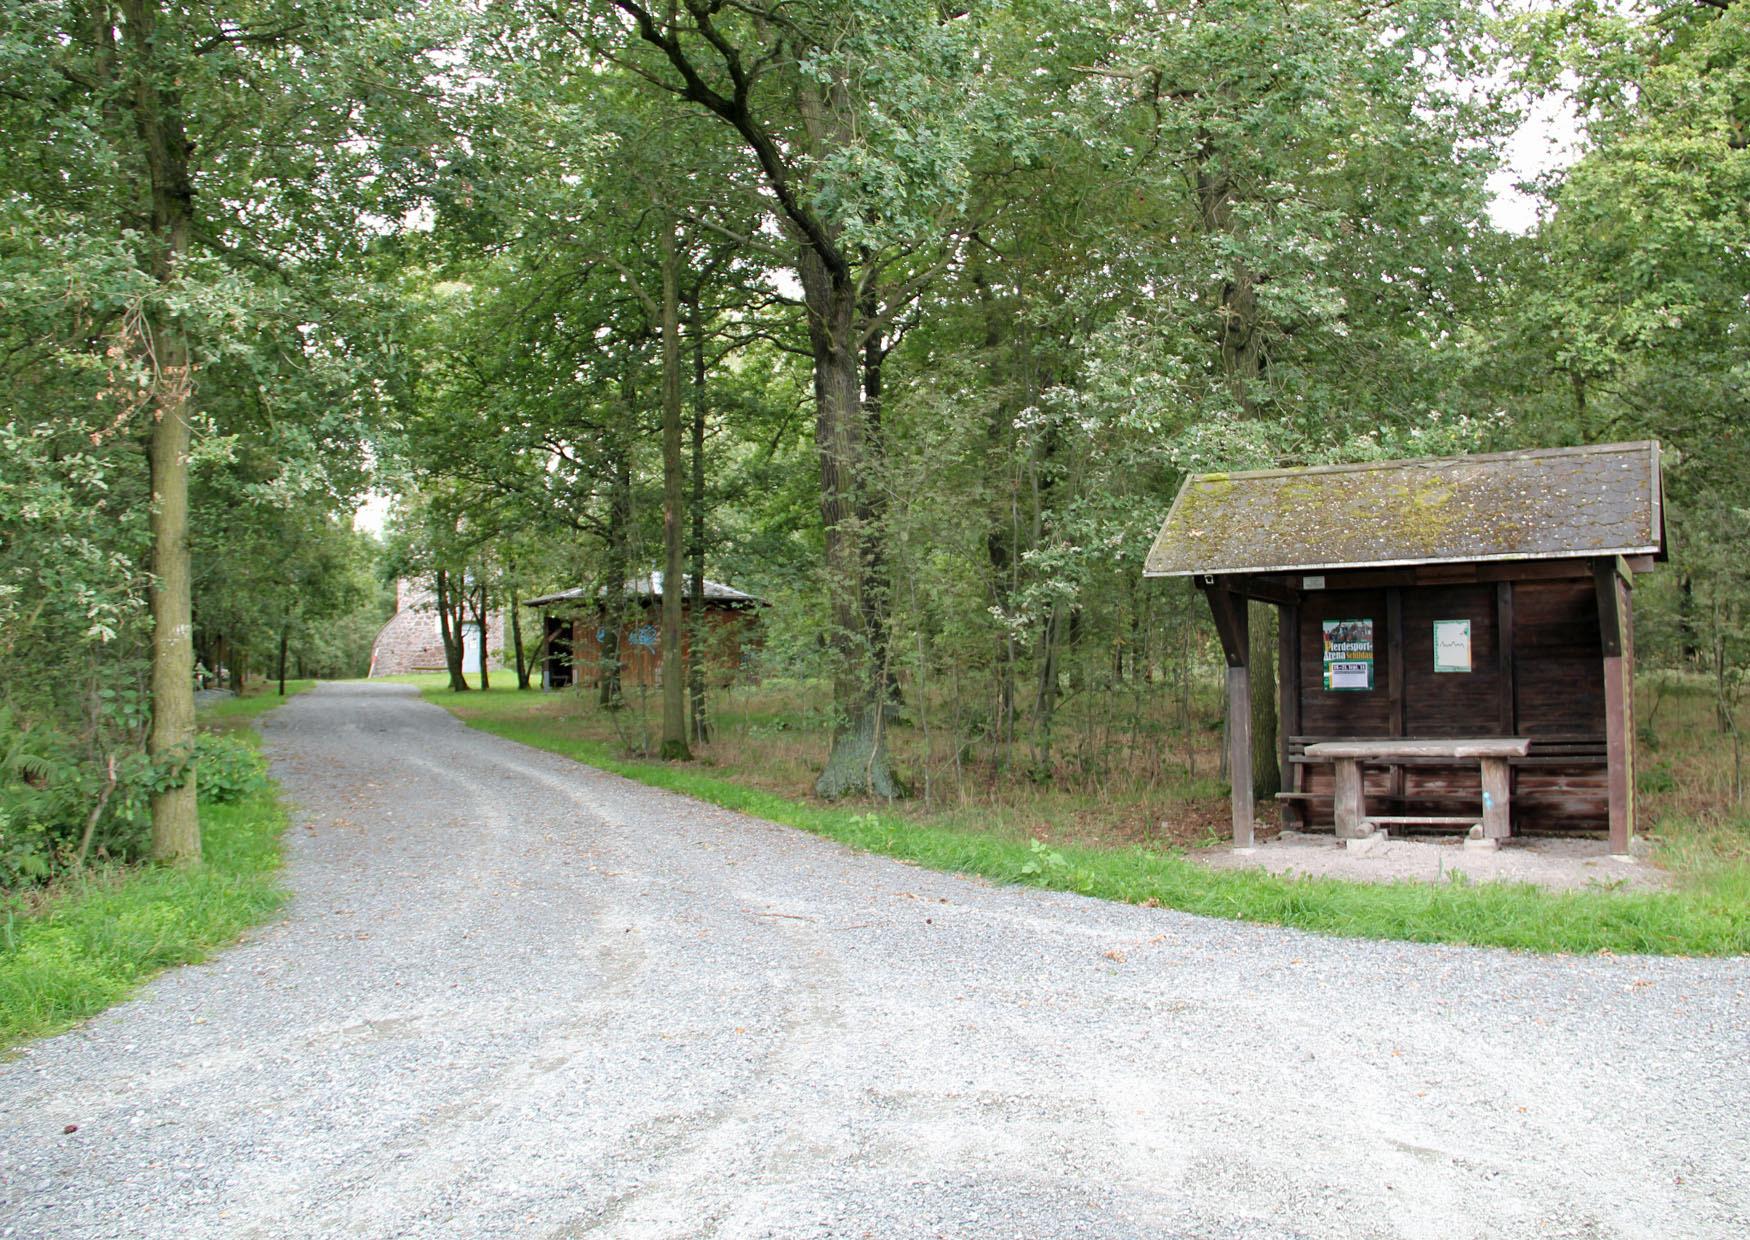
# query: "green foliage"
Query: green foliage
{"points": [[231, 769], [101, 935], [91, 937]]}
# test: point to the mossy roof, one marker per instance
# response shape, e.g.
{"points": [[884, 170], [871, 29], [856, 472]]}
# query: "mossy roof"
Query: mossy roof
{"points": [[1549, 504]]}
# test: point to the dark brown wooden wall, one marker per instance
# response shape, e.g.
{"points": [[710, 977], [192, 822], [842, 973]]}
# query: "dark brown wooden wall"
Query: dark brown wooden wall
{"points": [[1442, 704], [1333, 714], [728, 632], [1558, 656], [1553, 693]]}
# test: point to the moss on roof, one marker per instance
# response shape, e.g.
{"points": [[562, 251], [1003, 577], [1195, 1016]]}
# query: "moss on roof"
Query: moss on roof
{"points": [[1564, 502]]}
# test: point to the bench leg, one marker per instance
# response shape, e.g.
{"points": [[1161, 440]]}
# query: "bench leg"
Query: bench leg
{"points": [[1497, 824], [1349, 810]]}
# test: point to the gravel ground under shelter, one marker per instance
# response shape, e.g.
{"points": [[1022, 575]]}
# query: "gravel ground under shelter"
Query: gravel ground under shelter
{"points": [[517, 996]]}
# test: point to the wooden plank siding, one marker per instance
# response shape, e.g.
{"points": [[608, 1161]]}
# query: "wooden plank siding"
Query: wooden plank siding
{"points": [[1537, 662]]}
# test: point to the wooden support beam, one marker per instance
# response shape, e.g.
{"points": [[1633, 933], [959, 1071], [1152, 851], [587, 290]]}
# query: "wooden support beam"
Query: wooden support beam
{"points": [[1619, 741], [1229, 611], [1239, 750], [1234, 628], [1609, 614], [1265, 590]]}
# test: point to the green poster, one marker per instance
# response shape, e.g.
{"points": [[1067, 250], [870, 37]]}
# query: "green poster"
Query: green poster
{"points": [[1348, 654]]}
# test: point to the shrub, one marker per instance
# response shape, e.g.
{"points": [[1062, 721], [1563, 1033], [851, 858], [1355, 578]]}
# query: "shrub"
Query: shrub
{"points": [[229, 768]]}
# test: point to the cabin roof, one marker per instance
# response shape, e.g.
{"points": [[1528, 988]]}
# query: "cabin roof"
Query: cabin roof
{"points": [[1555, 503], [646, 587]]}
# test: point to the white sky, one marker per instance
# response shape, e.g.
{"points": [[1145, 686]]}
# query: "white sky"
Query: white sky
{"points": [[373, 512], [1549, 140]]}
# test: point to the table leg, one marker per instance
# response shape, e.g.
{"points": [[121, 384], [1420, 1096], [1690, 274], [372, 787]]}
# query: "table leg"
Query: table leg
{"points": [[1349, 810], [1497, 824]]}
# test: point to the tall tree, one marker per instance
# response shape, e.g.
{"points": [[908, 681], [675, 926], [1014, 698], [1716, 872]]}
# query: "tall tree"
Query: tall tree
{"points": [[857, 123], [162, 125]]}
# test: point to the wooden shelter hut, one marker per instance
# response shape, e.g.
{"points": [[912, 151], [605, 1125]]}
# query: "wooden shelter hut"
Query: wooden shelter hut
{"points": [[574, 624], [1456, 647]]}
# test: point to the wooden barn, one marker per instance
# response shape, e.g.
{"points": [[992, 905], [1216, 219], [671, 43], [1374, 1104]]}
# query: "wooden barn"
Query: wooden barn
{"points": [[1456, 644], [574, 623]]}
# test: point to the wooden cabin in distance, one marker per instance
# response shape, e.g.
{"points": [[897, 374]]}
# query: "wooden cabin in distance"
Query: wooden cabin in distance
{"points": [[1456, 643], [574, 628]]}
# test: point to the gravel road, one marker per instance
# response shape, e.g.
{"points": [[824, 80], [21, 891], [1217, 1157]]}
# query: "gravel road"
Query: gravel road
{"points": [[516, 996]]}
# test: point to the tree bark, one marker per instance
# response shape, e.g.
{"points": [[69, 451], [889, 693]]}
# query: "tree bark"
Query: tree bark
{"points": [[1266, 766], [516, 641], [612, 612], [700, 724], [176, 836], [176, 832], [674, 688], [450, 612], [285, 643], [858, 762], [478, 596]]}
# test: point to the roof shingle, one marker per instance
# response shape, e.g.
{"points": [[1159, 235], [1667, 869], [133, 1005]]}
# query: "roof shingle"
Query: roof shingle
{"points": [[1547, 504]]}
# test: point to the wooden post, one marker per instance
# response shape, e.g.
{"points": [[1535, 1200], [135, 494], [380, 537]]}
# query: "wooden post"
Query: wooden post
{"points": [[1239, 742], [1232, 626], [1348, 809], [1613, 602]]}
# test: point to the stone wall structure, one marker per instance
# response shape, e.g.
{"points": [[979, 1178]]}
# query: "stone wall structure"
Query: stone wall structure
{"points": [[412, 640]]}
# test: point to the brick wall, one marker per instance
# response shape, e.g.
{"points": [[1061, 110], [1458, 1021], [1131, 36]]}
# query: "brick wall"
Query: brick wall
{"points": [[413, 640]]}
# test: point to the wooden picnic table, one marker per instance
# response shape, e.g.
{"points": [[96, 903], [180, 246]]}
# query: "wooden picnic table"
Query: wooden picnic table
{"points": [[1348, 757]]}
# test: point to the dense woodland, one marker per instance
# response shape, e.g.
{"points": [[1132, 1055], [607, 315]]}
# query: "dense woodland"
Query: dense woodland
{"points": [[907, 317]]}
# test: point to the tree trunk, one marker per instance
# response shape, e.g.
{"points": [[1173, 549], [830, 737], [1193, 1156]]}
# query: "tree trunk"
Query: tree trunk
{"points": [[1266, 765], [478, 595], [285, 643], [516, 641], [858, 761], [176, 832], [872, 509], [1045, 700], [614, 598], [674, 687], [700, 724], [450, 613], [176, 835]]}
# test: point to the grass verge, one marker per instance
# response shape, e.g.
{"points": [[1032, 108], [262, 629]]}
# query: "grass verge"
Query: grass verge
{"points": [[1705, 918], [97, 937], [237, 711]]}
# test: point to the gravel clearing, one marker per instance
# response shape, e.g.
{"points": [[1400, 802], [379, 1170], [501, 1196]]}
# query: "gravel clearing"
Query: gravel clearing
{"points": [[1559, 864], [516, 996]]}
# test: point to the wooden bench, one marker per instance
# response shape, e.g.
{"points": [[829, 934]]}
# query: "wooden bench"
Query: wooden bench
{"points": [[1349, 804]]}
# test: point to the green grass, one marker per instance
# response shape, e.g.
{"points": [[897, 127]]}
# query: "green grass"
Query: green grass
{"points": [[234, 711], [95, 938], [1708, 916]]}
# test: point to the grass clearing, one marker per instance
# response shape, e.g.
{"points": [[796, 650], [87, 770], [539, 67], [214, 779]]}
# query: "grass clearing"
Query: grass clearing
{"points": [[1708, 915], [242, 711], [90, 941]]}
